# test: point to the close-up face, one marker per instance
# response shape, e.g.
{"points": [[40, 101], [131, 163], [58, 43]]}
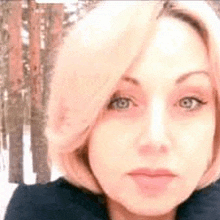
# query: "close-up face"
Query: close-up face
{"points": [[154, 139]]}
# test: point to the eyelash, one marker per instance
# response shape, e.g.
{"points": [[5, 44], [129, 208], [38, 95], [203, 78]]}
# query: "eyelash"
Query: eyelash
{"points": [[116, 98], [199, 101], [119, 98]]}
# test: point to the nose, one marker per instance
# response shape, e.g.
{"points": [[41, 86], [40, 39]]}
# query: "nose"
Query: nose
{"points": [[154, 135]]}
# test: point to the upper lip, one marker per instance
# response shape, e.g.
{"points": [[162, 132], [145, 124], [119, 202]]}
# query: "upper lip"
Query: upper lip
{"points": [[152, 172]]}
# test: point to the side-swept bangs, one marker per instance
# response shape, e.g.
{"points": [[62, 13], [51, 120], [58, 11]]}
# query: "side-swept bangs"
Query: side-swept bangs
{"points": [[92, 59]]}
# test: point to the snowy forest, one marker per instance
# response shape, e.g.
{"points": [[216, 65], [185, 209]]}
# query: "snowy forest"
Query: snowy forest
{"points": [[30, 34]]}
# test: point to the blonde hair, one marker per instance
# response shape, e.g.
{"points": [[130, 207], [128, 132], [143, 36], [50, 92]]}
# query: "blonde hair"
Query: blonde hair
{"points": [[90, 63]]}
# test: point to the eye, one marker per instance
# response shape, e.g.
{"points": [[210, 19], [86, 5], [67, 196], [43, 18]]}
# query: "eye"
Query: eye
{"points": [[191, 103], [120, 103]]}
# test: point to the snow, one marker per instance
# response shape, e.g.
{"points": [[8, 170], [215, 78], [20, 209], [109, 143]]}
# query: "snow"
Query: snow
{"points": [[7, 189]]}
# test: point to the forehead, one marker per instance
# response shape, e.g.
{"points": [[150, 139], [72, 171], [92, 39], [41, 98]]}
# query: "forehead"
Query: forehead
{"points": [[175, 49]]}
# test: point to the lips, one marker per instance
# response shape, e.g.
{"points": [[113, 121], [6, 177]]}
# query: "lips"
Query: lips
{"points": [[152, 173], [152, 181]]}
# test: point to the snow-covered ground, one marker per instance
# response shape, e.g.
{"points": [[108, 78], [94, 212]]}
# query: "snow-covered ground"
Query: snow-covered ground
{"points": [[7, 189]]}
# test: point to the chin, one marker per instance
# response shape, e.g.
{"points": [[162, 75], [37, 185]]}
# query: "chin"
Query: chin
{"points": [[151, 211], [148, 207]]}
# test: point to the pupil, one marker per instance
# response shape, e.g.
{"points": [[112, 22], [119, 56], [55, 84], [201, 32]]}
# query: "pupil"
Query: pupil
{"points": [[123, 104], [187, 103]]}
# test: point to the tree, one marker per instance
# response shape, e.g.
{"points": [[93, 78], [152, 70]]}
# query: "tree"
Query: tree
{"points": [[38, 140], [53, 35], [15, 103], [4, 37]]}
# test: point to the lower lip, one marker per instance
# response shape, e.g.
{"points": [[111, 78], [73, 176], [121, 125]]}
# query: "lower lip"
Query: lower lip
{"points": [[154, 184]]}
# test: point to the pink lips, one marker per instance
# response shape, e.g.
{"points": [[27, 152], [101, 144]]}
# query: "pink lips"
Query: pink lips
{"points": [[149, 180]]}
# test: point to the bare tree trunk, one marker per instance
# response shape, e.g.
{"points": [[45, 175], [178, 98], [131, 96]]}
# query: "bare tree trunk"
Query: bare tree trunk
{"points": [[3, 123], [38, 140], [2, 161], [53, 35], [4, 37], [56, 28], [54, 16], [15, 107]]}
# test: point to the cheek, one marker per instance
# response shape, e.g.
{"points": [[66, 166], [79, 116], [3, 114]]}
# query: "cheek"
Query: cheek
{"points": [[108, 144], [113, 152], [195, 143]]}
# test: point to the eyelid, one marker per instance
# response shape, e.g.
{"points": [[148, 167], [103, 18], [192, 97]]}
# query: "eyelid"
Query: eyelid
{"points": [[120, 95], [195, 91], [200, 103], [199, 99]]}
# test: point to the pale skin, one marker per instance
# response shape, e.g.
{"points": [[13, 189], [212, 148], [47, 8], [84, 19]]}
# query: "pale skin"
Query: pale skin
{"points": [[162, 115]]}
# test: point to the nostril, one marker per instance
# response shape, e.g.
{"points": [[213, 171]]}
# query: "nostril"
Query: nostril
{"points": [[152, 149]]}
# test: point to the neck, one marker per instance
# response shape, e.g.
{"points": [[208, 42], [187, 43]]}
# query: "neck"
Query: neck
{"points": [[118, 212]]}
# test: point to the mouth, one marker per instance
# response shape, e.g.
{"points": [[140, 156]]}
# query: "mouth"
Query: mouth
{"points": [[150, 180], [152, 172]]}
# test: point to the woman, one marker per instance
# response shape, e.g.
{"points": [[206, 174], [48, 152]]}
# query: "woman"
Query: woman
{"points": [[133, 117]]}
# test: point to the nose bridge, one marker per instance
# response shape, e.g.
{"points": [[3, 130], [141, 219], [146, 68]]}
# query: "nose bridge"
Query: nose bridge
{"points": [[154, 131], [156, 118]]}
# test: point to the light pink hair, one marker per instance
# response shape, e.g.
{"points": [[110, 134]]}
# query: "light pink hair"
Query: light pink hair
{"points": [[90, 63]]}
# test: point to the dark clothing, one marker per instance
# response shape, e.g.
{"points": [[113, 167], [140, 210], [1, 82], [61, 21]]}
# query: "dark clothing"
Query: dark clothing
{"points": [[59, 200]]}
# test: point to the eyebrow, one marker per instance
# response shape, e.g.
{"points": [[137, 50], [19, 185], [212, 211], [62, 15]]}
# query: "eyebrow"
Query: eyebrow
{"points": [[185, 76], [131, 80], [181, 79]]}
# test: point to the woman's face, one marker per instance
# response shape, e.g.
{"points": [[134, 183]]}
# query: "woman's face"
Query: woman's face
{"points": [[153, 141]]}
